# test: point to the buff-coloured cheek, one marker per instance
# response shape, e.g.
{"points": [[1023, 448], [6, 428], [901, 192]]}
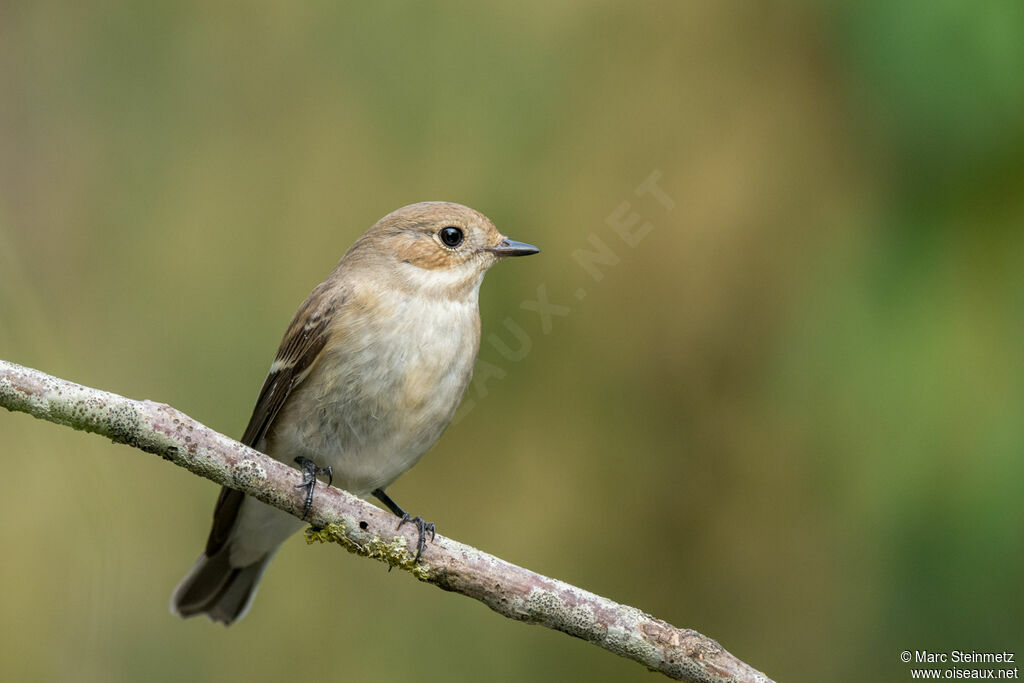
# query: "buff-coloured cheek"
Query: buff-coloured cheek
{"points": [[427, 255]]}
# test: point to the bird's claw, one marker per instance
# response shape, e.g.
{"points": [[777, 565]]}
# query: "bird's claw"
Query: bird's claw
{"points": [[309, 471], [424, 528]]}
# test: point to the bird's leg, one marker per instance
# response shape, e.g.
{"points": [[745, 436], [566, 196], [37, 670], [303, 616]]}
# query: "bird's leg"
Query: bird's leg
{"points": [[423, 527], [309, 471]]}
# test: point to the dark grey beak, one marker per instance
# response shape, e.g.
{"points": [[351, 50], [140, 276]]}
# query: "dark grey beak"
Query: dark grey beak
{"points": [[513, 248]]}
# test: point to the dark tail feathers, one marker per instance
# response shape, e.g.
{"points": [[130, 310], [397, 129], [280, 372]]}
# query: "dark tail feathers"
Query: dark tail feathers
{"points": [[214, 588]]}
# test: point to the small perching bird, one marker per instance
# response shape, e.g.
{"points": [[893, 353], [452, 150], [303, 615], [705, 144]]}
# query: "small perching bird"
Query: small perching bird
{"points": [[367, 377]]}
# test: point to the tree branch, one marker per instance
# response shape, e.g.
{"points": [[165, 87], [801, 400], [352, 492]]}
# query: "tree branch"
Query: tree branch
{"points": [[364, 529]]}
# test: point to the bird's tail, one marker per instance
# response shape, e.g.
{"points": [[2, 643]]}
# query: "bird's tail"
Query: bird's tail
{"points": [[214, 588]]}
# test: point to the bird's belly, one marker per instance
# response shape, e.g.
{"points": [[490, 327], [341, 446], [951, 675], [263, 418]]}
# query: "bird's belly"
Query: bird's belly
{"points": [[384, 404]]}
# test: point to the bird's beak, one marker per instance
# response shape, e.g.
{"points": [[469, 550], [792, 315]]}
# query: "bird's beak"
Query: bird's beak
{"points": [[512, 248]]}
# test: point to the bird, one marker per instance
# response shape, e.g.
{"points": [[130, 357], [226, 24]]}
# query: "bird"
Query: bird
{"points": [[368, 375]]}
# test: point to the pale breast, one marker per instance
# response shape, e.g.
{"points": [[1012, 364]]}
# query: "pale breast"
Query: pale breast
{"points": [[380, 397]]}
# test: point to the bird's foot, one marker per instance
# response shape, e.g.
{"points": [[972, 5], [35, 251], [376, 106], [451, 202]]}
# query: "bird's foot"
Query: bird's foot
{"points": [[309, 471], [424, 529]]}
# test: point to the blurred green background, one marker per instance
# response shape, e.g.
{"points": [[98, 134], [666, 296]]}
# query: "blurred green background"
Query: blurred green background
{"points": [[790, 416]]}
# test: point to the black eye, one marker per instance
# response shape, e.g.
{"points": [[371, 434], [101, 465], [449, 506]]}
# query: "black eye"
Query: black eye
{"points": [[451, 236]]}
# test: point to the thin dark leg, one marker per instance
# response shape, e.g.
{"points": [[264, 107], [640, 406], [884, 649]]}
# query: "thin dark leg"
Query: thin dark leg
{"points": [[423, 527], [390, 504], [309, 471]]}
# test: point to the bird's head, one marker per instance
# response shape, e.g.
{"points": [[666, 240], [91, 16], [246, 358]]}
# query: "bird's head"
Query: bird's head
{"points": [[438, 247]]}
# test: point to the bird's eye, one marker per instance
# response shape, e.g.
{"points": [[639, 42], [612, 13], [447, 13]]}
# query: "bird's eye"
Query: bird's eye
{"points": [[451, 236]]}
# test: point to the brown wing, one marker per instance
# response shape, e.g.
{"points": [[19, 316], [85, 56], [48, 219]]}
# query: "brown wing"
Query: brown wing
{"points": [[301, 345]]}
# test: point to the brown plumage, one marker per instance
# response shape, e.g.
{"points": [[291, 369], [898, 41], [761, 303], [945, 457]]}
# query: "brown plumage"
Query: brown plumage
{"points": [[367, 377]]}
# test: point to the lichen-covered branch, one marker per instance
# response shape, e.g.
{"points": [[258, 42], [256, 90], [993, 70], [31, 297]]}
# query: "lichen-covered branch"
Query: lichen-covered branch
{"points": [[362, 528]]}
